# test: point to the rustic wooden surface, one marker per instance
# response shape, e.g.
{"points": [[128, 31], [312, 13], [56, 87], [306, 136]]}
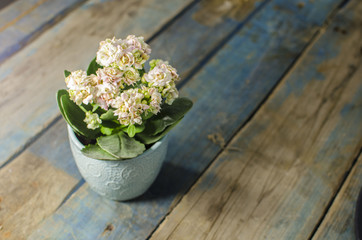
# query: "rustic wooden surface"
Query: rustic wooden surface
{"points": [[268, 151], [339, 221]]}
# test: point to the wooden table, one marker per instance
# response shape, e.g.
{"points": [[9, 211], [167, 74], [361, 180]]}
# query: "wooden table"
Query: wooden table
{"points": [[270, 150]]}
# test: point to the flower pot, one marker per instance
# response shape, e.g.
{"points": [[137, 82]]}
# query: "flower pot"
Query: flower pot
{"points": [[121, 179]]}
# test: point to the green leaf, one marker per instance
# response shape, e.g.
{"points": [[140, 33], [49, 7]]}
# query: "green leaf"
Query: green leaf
{"points": [[93, 67], [96, 152], [95, 107], [149, 139], [111, 144], [131, 130], [75, 117], [169, 115], [130, 147], [106, 131], [66, 73], [60, 93], [109, 115], [121, 146]]}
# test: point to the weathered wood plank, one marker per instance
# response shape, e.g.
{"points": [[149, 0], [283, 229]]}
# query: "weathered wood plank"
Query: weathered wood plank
{"points": [[339, 221], [24, 20], [30, 190], [69, 45], [197, 37], [223, 105], [279, 173]]}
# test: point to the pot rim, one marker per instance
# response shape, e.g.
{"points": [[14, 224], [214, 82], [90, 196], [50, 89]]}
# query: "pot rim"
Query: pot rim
{"points": [[80, 146]]}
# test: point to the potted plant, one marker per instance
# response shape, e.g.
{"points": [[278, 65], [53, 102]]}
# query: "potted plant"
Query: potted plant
{"points": [[118, 117]]}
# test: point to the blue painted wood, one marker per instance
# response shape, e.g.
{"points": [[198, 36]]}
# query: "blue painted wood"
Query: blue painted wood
{"points": [[276, 178], [339, 222], [24, 20], [225, 91]]}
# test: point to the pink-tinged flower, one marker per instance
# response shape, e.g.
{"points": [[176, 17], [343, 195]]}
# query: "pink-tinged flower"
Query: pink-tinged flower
{"points": [[153, 98], [109, 82], [81, 87], [129, 107], [108, 52], [131, 76], [118, 53], [92, 120], [170, 93], [163, 77]]}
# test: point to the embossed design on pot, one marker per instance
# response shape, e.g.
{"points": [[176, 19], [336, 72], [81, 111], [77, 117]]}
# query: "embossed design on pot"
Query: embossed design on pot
{"points": [[123, 179]]}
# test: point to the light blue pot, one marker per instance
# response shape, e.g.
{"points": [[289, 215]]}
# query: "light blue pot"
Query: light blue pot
{"points": [[122, 179]]}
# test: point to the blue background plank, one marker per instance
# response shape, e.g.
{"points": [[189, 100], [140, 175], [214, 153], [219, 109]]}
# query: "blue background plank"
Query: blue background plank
{"points": [[24, 20], [225, 93]]}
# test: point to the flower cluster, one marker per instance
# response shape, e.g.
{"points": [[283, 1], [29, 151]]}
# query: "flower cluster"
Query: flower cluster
{"points": [[121, 84]]}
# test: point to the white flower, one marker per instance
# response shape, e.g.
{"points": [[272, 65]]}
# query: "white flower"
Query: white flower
{"points": [[118, 53], [81, 87], [163, 77], [129, 107], [108, 52], [153, 98], [92, 120], [131, 76], [170, 93]]}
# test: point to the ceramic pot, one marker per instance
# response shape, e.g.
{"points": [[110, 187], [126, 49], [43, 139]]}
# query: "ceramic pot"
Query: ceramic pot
{"points": [[122, 179]]}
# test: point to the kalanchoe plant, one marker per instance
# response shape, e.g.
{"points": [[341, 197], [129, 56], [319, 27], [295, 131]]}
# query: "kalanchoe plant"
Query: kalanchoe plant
{"points": [[116, 108]]}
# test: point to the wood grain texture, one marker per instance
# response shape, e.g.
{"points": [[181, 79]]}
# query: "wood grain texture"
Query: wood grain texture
{"points": [[276, 178], [24, 20], [339, 221], [37, 71], [223, 105], [188, 41], [30, 190]]}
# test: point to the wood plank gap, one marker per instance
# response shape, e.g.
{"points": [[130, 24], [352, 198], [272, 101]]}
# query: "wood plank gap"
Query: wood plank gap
{"points": [[331, 202], [288, 71], [31, 141], [343, 4], [172, 21], [222, 43], [42, 28], [5, 3], [75, 188]]}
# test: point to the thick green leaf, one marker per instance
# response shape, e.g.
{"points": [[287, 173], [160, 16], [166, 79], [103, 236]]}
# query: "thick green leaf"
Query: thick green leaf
{"points": [[111, 144], [131, 130], [109, 115], [96, 152], [130, 147], [106, 131], [66, 73], [169, 115], [149, 139], [93, 67], [60, 93], [75, 118], [120, 146]]}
